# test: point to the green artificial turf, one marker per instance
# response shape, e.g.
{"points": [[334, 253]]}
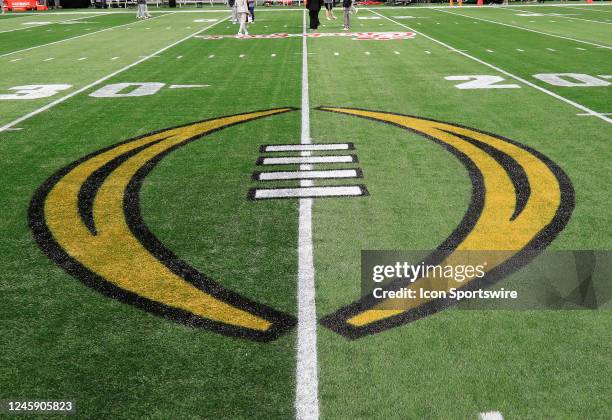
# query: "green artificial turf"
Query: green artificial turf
{"points": [[65, 340], [43, 34]]}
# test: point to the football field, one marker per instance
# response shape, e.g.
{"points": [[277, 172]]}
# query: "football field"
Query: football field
{"points": [[184, 210]]}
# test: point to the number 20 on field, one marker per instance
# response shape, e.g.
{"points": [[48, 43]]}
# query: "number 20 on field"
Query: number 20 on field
{"points": [[483, 81]]}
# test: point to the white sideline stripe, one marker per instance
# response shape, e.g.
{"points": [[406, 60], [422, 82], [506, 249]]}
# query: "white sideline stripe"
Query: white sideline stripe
{"points": [[44, 24], [306, 370], [97, 82], [292, 160], [302, 147], [491, 415], [524, 29], [324, 174], [520, 79], [78, 36], [590, 115], [336, 191]]}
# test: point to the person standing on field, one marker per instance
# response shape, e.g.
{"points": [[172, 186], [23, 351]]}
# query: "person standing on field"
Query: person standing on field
{"points": [[232, 4], [347, 6], [242, 8], [252, 4], [314, 7], [2, 6], [329, 9], [143, 10]]}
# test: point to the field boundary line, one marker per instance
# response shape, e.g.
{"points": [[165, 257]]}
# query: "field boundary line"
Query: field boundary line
{"points": [[567, 17], [81, 36], [527, 29], [45, 24], [103, 79], [306, 371], [293, 9], [500, 70]]}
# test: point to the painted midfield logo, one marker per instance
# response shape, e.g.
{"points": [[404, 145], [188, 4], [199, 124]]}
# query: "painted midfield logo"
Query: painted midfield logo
{"points": [[87, 219]]}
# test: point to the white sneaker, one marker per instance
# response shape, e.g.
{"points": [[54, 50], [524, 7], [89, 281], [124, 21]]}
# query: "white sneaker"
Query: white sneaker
{"points": [[246, 32]]}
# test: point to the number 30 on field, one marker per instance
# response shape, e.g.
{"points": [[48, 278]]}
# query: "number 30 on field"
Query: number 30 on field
{"points": [[116, 90]]}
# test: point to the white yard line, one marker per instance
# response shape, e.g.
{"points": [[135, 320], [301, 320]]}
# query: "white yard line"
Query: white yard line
{"points": [[526, 29], [520, 79], [306, 147], [307, 160], [97, 82], [590, 115], [79, 36], [44, 24], [584, 10], [322, 174], [301, 192], [306, 372], [562, 16]]}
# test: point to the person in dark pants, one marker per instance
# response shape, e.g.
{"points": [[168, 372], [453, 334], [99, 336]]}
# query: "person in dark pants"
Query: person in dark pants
{"points": [[252, 4], [313, 6]]}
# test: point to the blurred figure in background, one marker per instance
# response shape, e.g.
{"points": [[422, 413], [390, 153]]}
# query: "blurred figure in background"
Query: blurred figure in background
{"points": [[329, 9], [348, 9], [242, 8], [142, 12], [232, 4], [314, 7], [252, 4]]}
